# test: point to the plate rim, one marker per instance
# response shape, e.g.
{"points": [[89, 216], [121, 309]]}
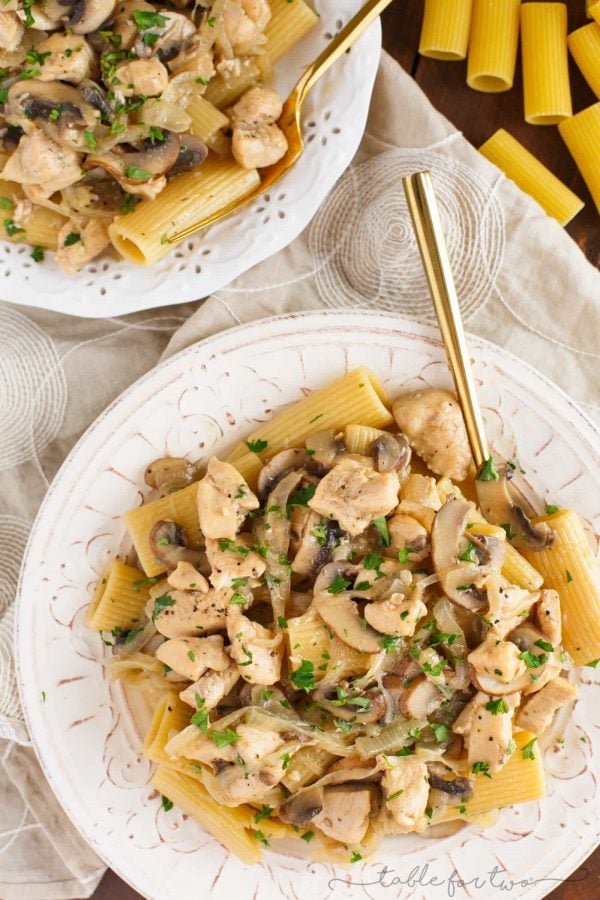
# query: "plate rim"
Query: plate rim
{"points": [[423, 330]]}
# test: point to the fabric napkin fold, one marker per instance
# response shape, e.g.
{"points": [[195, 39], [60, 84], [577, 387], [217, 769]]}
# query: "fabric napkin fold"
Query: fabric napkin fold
{"points": [[522, 282]]}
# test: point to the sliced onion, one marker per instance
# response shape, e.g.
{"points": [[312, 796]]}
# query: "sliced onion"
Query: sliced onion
{"points": [[164, 114], [127, 649], [445, 616]]}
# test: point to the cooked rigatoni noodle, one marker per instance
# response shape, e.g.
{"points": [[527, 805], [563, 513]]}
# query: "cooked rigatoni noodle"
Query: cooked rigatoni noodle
{"points": [[593, 9], [142, 235], [571, 568], [309, 639], [222, 92], [531, 175], [584, 45], [120, 598], [516, 569], [41, 226], [248, 465], [289, 23], [358, 395], [546, 89], [208, 122], [493, 45], [143, 672], [180, 506], [445, 29], [358, 438], [227, 824], [581, 134], [171, 716]]}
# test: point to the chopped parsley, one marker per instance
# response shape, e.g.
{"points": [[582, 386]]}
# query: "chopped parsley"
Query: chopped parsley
{"points": [[72, 238], [160, 604], [394, 795], [531, 660], [257, 446], [569, 576], [381, 527], [389, 643], [302, 496], [488, 471], [481, 768], [497, 706], [282, 622], [304, 677], [441, 732], [527, 750], [145, 20], [319, 532], [342, 726], [470, 554], [260, 837], [11, 228], [551, 509], [233, 548], [266, 695], [285, 760], [263, 813], [355, 857], [593, 663], [5, 203], [544, 645], [510, 532], [238, 600], [224, 738], [37, 254], [90, 139], [307, 836], [338, 585], [404, 553], [167, 804], [137, 174], [374, 561]]}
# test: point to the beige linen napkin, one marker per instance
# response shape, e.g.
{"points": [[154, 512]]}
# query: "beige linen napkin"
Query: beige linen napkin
{"points": [[522, 281]]}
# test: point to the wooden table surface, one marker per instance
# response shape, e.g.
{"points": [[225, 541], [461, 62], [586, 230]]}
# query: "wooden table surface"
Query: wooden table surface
{"points": [[478, 116]]}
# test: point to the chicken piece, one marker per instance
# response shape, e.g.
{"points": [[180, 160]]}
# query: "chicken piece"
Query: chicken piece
{"points": [[258, 106], [507, 604], [191, 657], [354, 495], [537, 712], [243, 786], [421, 489], [186, 577], [71, 58], [212, 687], [256, 649], [233, 559], [433, 423], [497, 659], [420, 698], [406, 786], [191, 743], [192, 613], [487, 732], [408, 534], [11, 31], [141, 76], [91, 240], [38, 160], [245, 22], [224, 499], [257, 146], [256, 743], [548, 616], [396, 615], [345, 813]]}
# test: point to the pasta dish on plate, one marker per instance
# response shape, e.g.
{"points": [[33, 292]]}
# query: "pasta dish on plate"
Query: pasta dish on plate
{"points": [[125, 122], [336, 644]]}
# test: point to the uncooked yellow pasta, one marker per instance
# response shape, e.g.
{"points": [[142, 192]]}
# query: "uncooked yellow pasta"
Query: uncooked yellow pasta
{"points": [[546, 88], [532, 176], [581, 134], [142, 235], [358, 438], [358, 395], [227, 824], [493, 45], [208, 123], [584, 45], [571, 568], [445, 29], [120, 598], [289, 23], [180, 507]]}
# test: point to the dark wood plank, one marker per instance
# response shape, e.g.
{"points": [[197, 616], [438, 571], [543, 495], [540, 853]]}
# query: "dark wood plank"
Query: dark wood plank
{"points": [[478, 116]]}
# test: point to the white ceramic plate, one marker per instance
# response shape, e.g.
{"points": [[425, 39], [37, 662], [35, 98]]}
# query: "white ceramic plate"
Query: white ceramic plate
{"points": [[334, 118], [198, 403]]}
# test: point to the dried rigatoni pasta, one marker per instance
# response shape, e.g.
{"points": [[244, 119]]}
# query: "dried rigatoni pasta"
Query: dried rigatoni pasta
{"points": [[180, 507], [309, 639], [584, 45], [546, 88], [120, 598], [208, 123], [445, 29], [532, 176], [493, 45], [289, 23], [571, 568], [358, 438], [142, 235], [581, 134], [357, 396], [226, 824]]}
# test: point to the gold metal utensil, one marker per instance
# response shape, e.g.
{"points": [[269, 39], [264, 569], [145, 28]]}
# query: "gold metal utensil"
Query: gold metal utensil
{"points": [[290, 120]]}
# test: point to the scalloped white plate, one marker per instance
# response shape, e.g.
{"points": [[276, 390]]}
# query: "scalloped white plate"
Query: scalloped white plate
{"points": [[198, 403], [334, 118]]}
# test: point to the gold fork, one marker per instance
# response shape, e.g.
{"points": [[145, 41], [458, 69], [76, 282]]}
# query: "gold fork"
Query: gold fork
{"points": [[290, 120]]}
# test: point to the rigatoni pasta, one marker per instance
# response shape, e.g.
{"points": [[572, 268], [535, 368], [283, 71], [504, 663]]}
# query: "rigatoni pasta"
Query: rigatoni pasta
{"points": [[593, 9], [493, 45], [546, 87], [445, 29], [584, 45], [581, 134], [180, 507], [532, 176], [120, 598], [289, 23]]}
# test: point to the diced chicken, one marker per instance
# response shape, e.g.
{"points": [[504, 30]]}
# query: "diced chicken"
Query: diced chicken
{"points": [[142, 76], [354, 495], [41, 161], [406, 533], [258, 106], [345, 813], [256, 649], [421, 489], [212, 687], [507, 605], [191, 657], [406, 786], [487, 732], [191, 743], [240, 785], [186, 577], [432, 421], [257, 146], [256, 743], [193, 613], [537, 712], [71, 58], [245, 22], [498, 659], [11, 31], [224, 500], [548, 616], [420, 698], [396, 615], [91, 240], [233, 559]]}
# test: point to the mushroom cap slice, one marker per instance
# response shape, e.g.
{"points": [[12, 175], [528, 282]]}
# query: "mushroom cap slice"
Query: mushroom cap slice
{"points": [[502, 503], [156, 159], [341, 614], [280, 465], [170, 473], [302, 807], [457, 584], [86, 16], [390, 452], [168, 543], [33, 99], [447, 533]]}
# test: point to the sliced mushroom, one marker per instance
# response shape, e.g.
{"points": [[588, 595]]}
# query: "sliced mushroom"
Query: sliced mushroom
{"points": [[35, 100], [420, 699], [364, 708], [502, 504], [341, 614], [396, 615], [447, 533], [301, 808], [192, 153], [346, 811], [95, 96], [325, 447], [153, 158], [88, 15], [318, 539], [171, 473], [390, 452], [282, 464], [456, 786], [342, 569], [169, 545], [489, 548], [460, 585]]}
